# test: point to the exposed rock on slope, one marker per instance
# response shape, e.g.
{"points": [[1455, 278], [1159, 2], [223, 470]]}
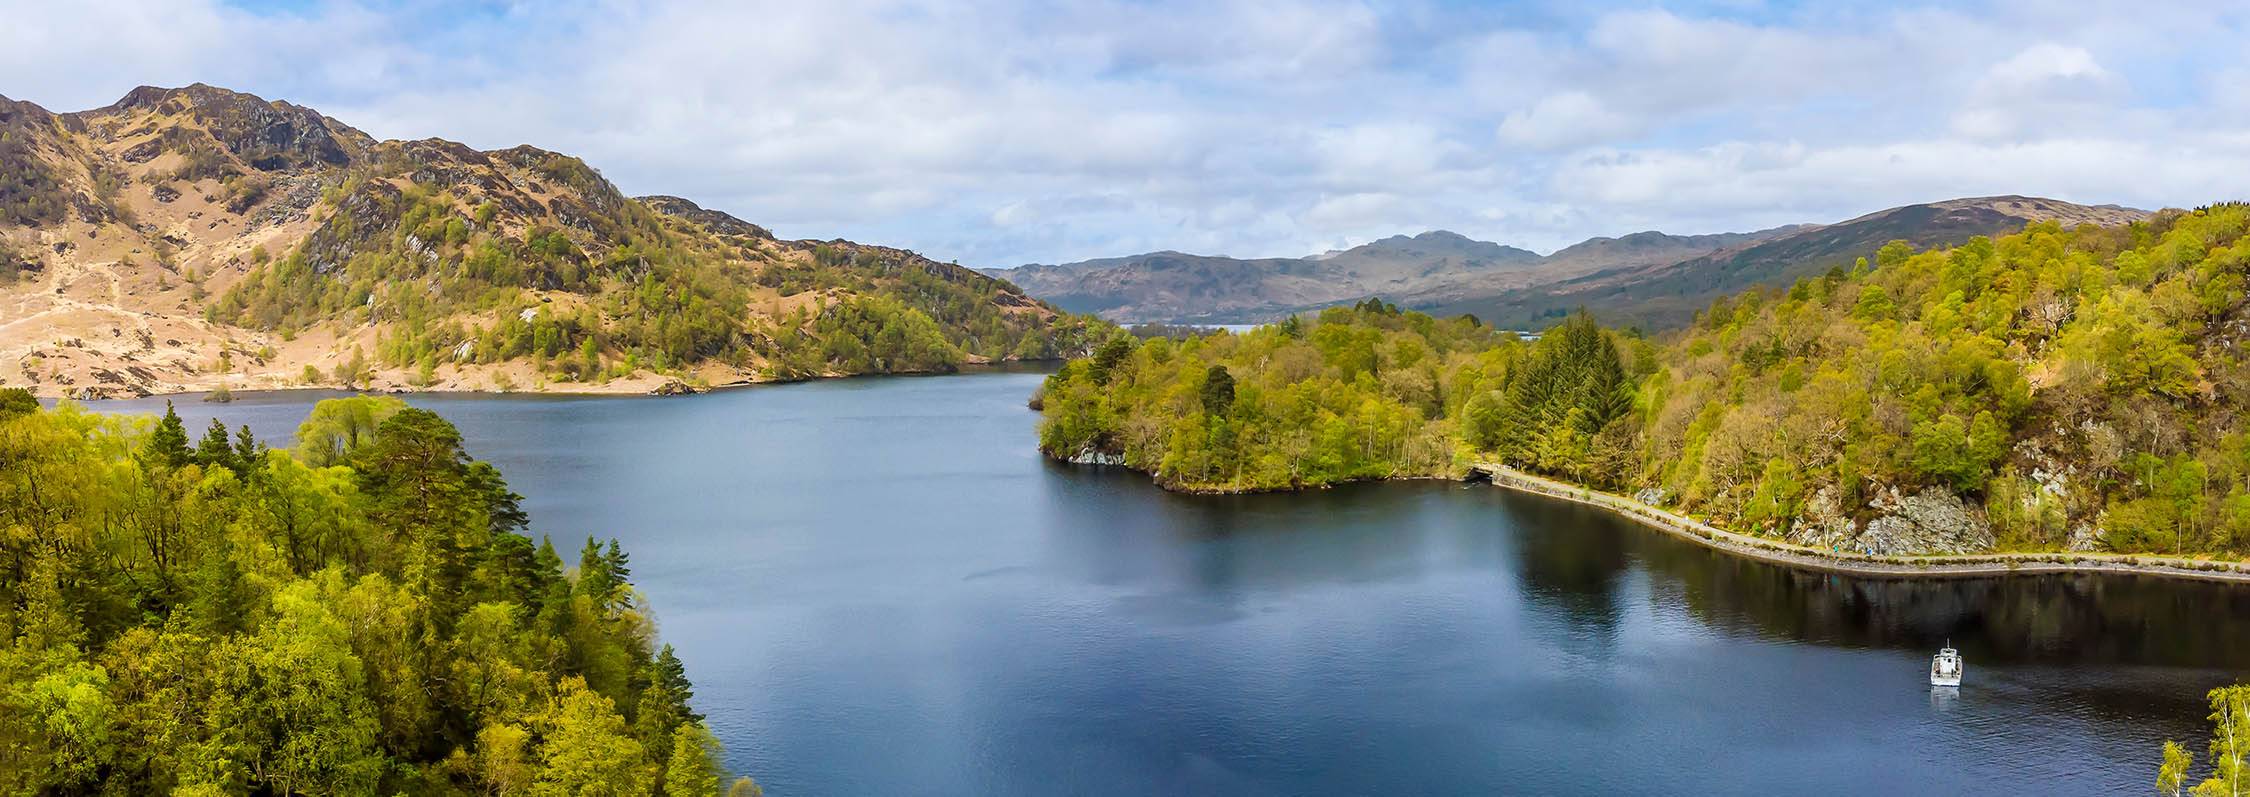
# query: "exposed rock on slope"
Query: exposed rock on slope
{"points": [[1931, 521]]}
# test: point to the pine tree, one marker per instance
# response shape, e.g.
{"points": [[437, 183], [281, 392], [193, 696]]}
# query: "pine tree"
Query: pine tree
{"points": [[1218, 391], [215, 451], [168, 444], [247, 450], [595, 579], [218, 597]]}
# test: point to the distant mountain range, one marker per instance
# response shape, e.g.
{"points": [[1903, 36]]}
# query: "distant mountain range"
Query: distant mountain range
{"points": [[1174, 286], [1651, 278], [1659, 295]]}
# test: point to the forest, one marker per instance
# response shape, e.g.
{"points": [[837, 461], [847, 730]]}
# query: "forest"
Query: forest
{"points": [[361, 614], [1364, 392], [2081, 387]]}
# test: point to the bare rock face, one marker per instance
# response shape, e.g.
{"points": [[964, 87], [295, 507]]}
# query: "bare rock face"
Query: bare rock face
{"points": [[1824, 523], [2085, 537], [1933, 521]]}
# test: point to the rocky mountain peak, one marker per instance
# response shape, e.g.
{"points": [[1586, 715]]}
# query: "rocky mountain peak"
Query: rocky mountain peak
{"points": [[200, 121], [716, 221]]}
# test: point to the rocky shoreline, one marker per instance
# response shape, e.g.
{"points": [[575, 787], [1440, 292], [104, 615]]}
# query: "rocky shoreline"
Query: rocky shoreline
{"points": [[1865, 565]]}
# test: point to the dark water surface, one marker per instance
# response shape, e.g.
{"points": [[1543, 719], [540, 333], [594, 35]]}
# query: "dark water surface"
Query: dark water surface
{"points": [[880, 588]]}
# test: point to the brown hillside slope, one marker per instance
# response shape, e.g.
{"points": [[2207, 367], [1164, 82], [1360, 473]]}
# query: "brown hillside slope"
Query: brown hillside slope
{"points": [[184, 239]]}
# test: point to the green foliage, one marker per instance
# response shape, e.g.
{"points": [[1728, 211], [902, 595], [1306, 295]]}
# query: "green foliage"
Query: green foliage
{"points": [[1359, 393], [2100, 359], [2172, 774], [1567, 391], [16, 401], [636, 291], [2068, 379], [338, 427], [30, 194], [226, 619], [2230, 749], [1218, 391]]}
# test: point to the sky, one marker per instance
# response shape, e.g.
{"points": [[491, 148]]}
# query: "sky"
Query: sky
{"points": [[1014, 131]]}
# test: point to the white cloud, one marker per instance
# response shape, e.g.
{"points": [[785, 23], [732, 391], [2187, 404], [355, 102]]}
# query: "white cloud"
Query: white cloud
{"points": [[1572, 118], [2047, 87], [2046, 66]]}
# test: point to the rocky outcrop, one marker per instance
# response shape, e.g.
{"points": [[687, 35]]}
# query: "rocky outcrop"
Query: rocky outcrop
{"points": [[1824, 523], [1095, 456], [367, 214], [716, 221], [1932, 521]]}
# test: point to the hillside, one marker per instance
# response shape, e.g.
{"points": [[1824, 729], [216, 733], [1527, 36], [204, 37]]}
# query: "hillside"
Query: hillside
{"points": [[1661, 293], [2060, 388], [1176, 287], [185, 239]]}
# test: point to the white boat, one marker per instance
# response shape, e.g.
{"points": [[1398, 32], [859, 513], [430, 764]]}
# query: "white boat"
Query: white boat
{"points": [[1945, 667]]}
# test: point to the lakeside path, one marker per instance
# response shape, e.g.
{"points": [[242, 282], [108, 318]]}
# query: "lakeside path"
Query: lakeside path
{"points": [[1798, 556]]}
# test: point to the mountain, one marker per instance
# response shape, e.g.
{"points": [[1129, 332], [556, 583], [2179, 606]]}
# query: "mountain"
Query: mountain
{"points": [[1638, 249], [1664, 293], [1651, 279], [196, 237], [1174, 286], [1430, 269]]}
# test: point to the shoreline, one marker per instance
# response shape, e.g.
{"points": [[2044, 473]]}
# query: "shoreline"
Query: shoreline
{"points": [[621, 388], [1776, 552]]}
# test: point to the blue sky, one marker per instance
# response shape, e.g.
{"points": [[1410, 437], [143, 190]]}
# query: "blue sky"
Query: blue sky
{"points": [[1005, 132]]}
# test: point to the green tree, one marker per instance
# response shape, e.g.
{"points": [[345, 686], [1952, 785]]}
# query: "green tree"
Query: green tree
{"points": [[1218, 391], [587, 749], [168, 445], [2172, 775], [16, 401], [338, 427], [693, 769], [215, 450]]}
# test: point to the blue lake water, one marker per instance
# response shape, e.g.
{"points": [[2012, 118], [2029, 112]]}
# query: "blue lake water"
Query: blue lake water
{"points": [[879, 587]]}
